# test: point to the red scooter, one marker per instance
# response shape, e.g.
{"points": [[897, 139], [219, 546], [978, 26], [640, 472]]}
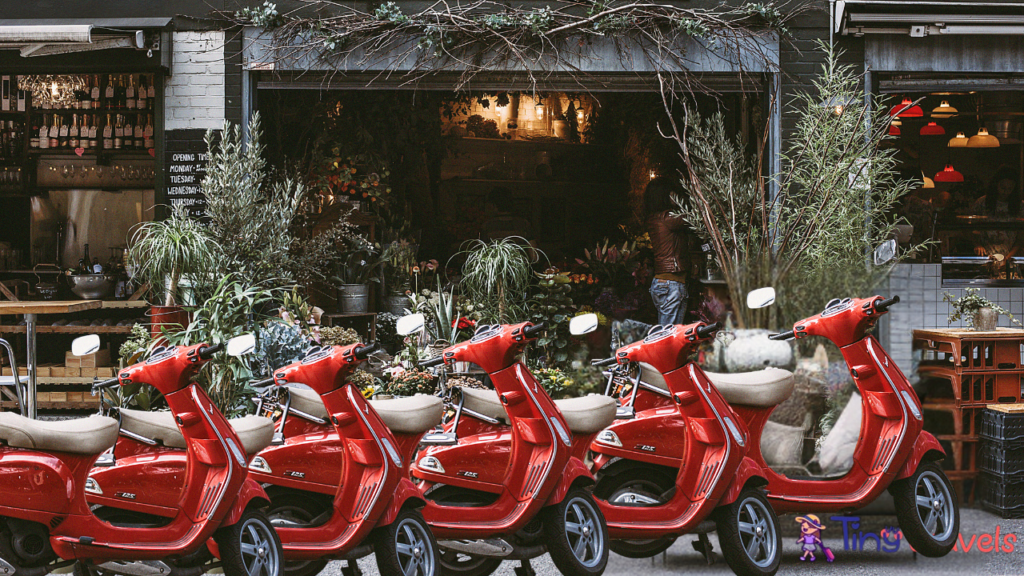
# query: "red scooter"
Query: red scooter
{"points": [[338, 474], [44, 466], [664, 470], [892, 450], [506, 479]]}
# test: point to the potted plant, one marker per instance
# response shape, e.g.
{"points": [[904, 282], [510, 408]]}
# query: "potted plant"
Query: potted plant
{"points": [[980, 313], [497, 275], [170, 255], [398, 260], [354, 273], [411, 382]]}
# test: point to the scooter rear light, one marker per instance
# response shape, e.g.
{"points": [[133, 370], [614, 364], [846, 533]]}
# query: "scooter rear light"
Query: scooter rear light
{"points": [[432, 464], [92, 486], [912, 403], [260, 465], [610, 438]]}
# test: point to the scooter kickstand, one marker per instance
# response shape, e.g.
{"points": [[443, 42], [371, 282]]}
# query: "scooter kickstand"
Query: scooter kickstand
{"points": [[351, 568], [704, 546], [525, 569]]}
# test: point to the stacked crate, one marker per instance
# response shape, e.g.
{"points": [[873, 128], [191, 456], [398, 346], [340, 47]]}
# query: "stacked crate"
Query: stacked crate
{"points": [[1001, 460], [981, 368]]}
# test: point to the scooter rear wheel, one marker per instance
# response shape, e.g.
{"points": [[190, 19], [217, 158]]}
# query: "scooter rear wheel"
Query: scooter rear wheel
{"points": [[407, 546], [748, 532], [638, 486], [291, 509], [250, 547], [458, 564], [576, 534], [927, 510]]}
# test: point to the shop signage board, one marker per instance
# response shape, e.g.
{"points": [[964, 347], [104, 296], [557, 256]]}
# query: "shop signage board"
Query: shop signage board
{"points": [[185, 160]]}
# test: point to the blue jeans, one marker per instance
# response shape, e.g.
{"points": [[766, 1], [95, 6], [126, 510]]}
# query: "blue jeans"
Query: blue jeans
{"points": [[670, 300]]}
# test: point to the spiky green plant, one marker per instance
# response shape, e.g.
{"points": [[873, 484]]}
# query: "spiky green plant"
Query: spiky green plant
{"points": [[497, 274], [164, 252]]}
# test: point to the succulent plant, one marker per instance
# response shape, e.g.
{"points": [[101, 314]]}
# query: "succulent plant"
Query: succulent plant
{"points": [[278, 344]]}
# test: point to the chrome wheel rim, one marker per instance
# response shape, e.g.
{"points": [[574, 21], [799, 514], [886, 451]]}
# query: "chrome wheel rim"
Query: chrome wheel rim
{"points": [[414, 548], [934, 505], [259, 549], [757, 531], [584, 532]]}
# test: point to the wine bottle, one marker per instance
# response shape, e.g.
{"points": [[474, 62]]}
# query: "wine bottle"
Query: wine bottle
{"points": [[62, 135], [142, 103], [151, 90], [44, 134], [95, 91], [93, 141], [87, 94], [139, 132], [129, 132], [147, 134], [108, 135], [73, 132], [108, 94], [119, 133]]}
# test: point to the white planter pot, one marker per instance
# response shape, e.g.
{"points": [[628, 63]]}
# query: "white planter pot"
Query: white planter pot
{"points": [[752, 350]]}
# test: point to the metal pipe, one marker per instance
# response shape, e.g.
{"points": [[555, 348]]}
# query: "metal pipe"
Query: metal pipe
{"points": [[30, 337]]}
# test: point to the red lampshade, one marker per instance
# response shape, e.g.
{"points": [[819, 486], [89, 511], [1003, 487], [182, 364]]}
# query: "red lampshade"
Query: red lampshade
{"points": [[949, 174], [932, 129], [894, 130], [907, 109]]}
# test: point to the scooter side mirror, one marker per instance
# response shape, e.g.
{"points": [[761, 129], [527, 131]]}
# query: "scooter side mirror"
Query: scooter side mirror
{"points": [[409, 324], [583, 324], [85, 345], [885, 252], [241, 345], [761, 298]]}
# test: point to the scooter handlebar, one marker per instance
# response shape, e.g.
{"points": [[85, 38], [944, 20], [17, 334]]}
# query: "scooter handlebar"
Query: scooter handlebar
{"points": [[605, 362], [261, 383], [709, 330], [363, 352], [787, 335], [107, 383], [883, 305], [435, 361], [207, 352], [535, 330]]}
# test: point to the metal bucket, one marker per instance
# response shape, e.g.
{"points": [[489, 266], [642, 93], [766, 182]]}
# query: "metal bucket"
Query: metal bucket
{"points": [[354, 298]]}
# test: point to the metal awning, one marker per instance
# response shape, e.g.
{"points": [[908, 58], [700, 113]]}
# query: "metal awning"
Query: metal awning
{"points": [[921, 18], [46, 37]]}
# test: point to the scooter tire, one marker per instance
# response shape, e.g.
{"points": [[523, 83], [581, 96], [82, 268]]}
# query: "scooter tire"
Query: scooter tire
{"points": [[298, 504], [472, 566], [407, 546], [250, 547], [751, 508], [577, 508], [656, 481], [929, 482]]}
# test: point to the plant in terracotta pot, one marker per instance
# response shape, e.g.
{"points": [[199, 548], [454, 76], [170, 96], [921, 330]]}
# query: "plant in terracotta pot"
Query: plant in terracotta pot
{"points": [[171, 255], [354, 274], [978, 312]]}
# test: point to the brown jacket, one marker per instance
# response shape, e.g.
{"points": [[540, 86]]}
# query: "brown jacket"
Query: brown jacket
{"points": [[670, 239]]}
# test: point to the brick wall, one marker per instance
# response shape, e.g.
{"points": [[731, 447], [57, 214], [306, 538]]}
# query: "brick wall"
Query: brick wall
{"points": [[195, 91], [919, 287]]}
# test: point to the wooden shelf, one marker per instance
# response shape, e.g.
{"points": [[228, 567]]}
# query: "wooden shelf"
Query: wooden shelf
{"points": [[10, 404], [68, 329], [119, 304]]}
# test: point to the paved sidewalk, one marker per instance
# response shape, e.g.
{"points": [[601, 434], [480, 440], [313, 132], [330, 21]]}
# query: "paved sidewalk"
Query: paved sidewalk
{"points": [[681, 559]]}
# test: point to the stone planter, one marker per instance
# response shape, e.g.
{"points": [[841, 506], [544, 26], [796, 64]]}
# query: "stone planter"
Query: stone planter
{"points": [[354, 298], [985, 320], [752, 350]]}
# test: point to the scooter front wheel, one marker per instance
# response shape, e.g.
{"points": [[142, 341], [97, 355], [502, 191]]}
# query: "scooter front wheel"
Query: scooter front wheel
{"points": [[748, 532], [927, 510], [577, 536], [458, 564], [406, 546], [250, 547]]}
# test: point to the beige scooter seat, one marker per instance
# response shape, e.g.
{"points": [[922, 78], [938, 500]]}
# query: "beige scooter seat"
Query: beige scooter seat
{"points": [[92, 435], [485, 402], [410, 415], [588, 414], [255, 432], [308, 401], [763, 388]]}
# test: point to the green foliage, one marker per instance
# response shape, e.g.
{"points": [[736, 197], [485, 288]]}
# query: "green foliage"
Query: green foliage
{"points": [[359, 265], [439, 309], [411, 382], [264, 16], [338, 336], [560, 383], [134, 350], [387, 333], [967, 305], [553, 305], [165, 252], [278, 344], [497, 275], [390, 12], [135, 346]]}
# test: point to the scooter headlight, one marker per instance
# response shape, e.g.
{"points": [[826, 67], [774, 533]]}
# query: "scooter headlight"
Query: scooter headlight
{"points": [[260, 465], [432, 464], [92, 486], [610, 438]]}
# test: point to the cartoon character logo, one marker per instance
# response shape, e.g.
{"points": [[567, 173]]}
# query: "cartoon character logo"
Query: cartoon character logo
{"points": [[810, 538]]}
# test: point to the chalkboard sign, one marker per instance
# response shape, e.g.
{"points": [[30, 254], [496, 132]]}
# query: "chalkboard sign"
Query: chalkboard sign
{"points": [[185, 159]]}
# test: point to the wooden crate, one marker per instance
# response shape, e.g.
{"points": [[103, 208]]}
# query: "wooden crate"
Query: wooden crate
{"points": [[58, 371], [76, 396], [70, 372], [58, 396], [105, 372], [88, 372]]}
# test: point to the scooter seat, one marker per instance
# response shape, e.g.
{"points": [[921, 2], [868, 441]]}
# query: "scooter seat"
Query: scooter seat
{"points": [[308, 401], [92, 435], [255, 432], [588, 414], [650, 375], [485, 402], [410, 415], [764, 388]]}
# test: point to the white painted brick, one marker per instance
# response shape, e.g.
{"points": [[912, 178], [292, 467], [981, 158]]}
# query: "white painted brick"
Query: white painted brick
{"points": [[197, 68]]}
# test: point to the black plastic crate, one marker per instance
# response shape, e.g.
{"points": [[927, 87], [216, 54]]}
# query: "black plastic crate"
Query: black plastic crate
{"points": [[1007, 427], [1002, 458], [1001, 494]]}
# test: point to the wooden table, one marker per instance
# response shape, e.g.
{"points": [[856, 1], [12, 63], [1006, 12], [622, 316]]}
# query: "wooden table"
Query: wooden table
{"points": [[31, 310]]}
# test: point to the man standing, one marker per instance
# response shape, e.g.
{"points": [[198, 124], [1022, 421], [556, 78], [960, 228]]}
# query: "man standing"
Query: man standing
{"points": [[670, 239]]}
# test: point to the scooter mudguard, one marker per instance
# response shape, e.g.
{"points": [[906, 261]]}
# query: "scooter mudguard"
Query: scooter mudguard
{"points": [[575, 473], [38, 483], [407, 495], [926, 448], [145, 483], [250, 494], [748, 472]]}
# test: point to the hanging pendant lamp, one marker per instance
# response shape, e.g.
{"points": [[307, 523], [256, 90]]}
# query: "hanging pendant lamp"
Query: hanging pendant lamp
{"points": [[944, 110], [949, 174], [983, 140], [907, 109], [894, 129], [932, 129], [958, 141]]}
